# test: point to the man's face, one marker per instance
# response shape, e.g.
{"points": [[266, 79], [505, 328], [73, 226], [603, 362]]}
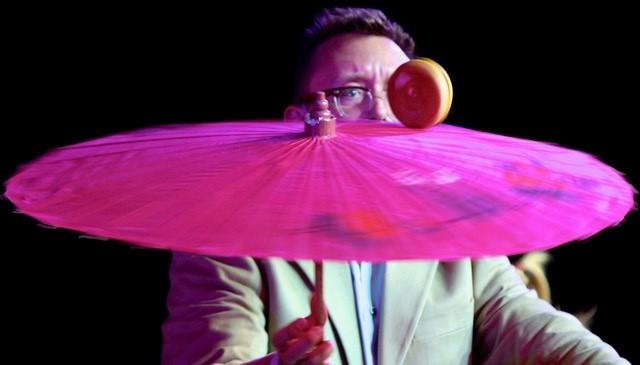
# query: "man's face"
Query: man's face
{"points": [[356, 60]]}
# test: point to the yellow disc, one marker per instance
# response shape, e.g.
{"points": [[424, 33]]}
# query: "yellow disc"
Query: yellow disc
{"points": [[420, 93]]}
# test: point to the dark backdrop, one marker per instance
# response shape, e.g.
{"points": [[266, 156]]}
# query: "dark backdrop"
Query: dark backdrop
{"points": [[566, 76]]}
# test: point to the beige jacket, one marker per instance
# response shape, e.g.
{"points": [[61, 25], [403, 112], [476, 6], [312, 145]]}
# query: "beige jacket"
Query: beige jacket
{"points": [[225, 310]]}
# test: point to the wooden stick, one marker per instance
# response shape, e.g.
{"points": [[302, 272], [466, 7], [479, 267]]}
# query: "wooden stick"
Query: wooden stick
{"points": [[319, 283], [318, 308]]}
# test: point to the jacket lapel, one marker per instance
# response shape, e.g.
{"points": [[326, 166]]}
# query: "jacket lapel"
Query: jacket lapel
{"points": [[405, 291]]}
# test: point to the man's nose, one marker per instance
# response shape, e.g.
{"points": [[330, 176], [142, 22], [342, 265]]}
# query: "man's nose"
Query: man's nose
{"points": [[381, 109]]}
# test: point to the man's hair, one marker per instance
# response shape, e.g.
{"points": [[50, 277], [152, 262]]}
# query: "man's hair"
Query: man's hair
{"points": [[332, 22]]}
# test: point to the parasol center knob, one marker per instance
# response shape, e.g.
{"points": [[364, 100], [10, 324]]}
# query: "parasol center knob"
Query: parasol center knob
{"points": [[318, 121]]}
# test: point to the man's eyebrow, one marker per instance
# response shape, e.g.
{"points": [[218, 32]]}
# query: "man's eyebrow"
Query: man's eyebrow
{"points": [[355, 77]]}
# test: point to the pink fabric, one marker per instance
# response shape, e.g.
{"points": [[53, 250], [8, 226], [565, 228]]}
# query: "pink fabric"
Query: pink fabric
{"points": [[376, 191]]}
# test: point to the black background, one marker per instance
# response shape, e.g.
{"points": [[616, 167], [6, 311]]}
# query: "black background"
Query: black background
{"points": [[72, 73]]}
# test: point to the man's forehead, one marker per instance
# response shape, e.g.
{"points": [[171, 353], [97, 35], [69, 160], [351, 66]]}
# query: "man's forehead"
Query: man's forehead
{"points": [[351, 57]]}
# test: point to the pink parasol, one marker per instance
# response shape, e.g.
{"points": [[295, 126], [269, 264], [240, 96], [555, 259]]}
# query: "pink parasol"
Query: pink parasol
{"points": [[376, 191]]}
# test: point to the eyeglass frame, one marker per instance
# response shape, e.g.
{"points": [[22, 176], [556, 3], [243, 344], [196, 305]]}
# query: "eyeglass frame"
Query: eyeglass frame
{"points": [[332, 96]]}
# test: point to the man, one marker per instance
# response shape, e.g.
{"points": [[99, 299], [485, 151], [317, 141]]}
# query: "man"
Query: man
{"points": [[237, 310]]}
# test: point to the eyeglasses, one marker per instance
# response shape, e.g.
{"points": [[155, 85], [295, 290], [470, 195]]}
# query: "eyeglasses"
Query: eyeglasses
{"points": [[349, 102]]}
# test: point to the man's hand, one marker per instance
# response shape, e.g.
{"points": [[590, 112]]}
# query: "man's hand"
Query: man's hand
{"points": [[301, 341]]}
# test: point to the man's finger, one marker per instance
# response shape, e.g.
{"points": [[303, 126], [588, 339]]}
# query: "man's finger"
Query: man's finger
{"points": [[319, 355], [291, 331], [300, 348], [319, 312]]}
